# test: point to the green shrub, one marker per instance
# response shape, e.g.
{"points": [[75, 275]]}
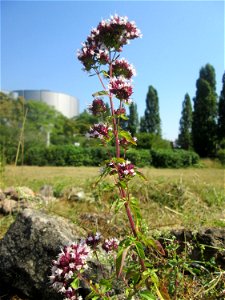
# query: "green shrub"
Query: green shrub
{"points": [[152, 141], [98, 155], [69, 155], [221, 156], [140, 158], [173, 158], [35, 157]]}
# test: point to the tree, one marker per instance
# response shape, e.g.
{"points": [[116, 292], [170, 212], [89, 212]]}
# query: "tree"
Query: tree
{"points": [[133, 121], [185, 135], [151, 121], [143, 126], [205, 113], [221, 113]]}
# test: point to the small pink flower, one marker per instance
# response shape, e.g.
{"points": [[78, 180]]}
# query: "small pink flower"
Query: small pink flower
{"points": [[110, 245], [97, 107], [120, 111], [121, 88], [123, 68], [125, 170], [110, 35], [100, 131], [72, 259], [125, 143], [93, 239]]}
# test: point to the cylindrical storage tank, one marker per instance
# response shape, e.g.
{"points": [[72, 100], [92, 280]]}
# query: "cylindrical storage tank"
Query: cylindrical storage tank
{"points": [[66, 104]]}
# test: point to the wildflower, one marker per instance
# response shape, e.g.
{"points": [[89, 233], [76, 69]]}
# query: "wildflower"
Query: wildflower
{"points": [[125, 143], [97, 107], [109, 35], [110, 245], [125, 170], [100, 131], [71, 260], [123, 68], [93, 239], [121, 88], [120, 111]]}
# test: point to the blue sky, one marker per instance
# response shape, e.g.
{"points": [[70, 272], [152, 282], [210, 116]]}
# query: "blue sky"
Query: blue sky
{"points": [[39, 40]]}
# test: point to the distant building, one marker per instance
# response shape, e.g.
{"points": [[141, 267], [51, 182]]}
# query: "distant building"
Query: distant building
{"points": [[66, 104]]}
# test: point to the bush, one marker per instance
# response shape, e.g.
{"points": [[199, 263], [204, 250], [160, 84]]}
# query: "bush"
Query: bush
{"points": [[140, 158], [152, 141], [221, 156], [173, 158], [35, 157], [69, 155], [98, 155]]}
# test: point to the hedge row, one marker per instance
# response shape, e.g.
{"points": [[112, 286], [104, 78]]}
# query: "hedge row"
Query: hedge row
{"points": [[69, 155]]}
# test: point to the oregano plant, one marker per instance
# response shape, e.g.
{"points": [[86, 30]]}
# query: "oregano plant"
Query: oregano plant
{"points": [[127, 263]]}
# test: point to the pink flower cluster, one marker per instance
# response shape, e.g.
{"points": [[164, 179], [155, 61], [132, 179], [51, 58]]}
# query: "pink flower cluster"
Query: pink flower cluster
{"points": [[110, 35], [110, 245], [120, 111], [121, 88], [125, 143], [123, 68], [100, 131], [125, 169], [97, 107], [71, 260], [93, 240]]}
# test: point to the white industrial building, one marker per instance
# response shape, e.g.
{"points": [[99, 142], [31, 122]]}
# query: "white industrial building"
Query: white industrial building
{"points": [[64, 103]]}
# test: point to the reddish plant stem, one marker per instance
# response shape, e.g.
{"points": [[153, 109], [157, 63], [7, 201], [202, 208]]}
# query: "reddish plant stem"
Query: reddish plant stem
{"points": [[115, 129], [122, 190]]}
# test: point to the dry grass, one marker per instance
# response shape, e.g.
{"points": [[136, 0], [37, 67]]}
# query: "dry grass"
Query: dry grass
{"points": [[34, 177], [188, 198]]}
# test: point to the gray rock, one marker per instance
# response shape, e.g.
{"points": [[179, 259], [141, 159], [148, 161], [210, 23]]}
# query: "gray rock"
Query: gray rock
{"points": [[78, 194], [46, 191], [18, 193], [27, 249], [8, 206], [75, 194], [2, 195], [11, 193], [213, 240], [25, 193]]}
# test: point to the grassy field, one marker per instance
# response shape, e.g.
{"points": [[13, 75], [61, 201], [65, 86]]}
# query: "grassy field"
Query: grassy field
{"points": [[189, 198], [35, 177], [170, 198]]}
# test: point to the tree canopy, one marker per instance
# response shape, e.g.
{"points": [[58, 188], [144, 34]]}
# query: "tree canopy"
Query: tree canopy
{"points": [[151, 122], [185, 132], [204, 127]]}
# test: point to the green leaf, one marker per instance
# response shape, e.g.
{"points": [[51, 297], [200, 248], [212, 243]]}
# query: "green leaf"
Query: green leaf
{"points": [[122, 184], [142, 176], [134, 205], [92, 296], [118, 204], [147, 295], [127, 136], [106, 285], [105, 73], [140, 249], [120, 260], [122, 116], [100, 93], [75, 284]]}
